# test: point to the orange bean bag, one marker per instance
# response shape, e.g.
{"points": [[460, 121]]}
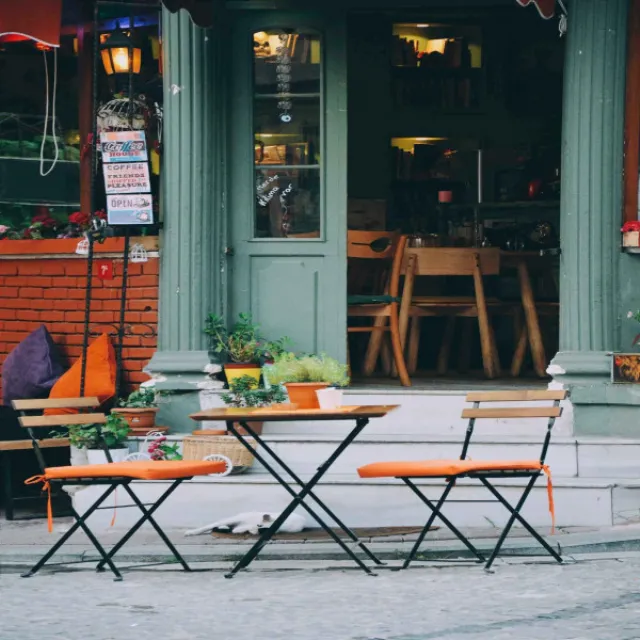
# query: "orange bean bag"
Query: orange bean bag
{"points": [[100, 380]]}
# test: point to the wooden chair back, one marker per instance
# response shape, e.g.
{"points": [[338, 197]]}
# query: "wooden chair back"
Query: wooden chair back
{"points": [[372, 245], [31, 417], [551, 412], [446, 261], [381, 277]]}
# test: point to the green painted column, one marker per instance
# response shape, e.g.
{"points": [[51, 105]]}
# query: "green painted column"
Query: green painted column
{"points": [[592, 148], [193, 234], [593, 129]]}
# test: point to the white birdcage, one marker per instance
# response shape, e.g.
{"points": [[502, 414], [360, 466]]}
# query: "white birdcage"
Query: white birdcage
{"points": [[138, 253], [82, 248], [114, 115]]}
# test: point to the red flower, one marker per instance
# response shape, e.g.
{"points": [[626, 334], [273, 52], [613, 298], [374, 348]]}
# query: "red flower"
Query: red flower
{"points": [[80, 218], [101, 214], [45, 220], [633, 225]]}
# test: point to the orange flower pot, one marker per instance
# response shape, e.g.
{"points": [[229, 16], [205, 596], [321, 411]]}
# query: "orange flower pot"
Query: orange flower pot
{"points": [[303, 394]]}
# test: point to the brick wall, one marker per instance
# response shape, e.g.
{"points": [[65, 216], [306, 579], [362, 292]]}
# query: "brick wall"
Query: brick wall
{"points": [[50, 290]]}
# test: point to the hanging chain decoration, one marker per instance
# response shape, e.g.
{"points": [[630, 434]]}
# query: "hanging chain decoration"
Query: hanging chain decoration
{"points": [[283, 76], [286, 217]]}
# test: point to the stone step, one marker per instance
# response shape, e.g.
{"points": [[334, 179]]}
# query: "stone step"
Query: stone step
{"points": [[567, 457], [420, 413], [369, 503]]}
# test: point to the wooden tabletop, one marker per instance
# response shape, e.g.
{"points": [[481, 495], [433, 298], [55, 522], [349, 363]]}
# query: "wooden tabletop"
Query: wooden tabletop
{"points": [[277, 414]]}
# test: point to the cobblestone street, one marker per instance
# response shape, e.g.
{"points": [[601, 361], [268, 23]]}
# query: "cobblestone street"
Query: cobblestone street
{"points": [[596, 599]]}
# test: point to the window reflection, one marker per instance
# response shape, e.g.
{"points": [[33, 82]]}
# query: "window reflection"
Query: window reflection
{"points": [[287, 127]]}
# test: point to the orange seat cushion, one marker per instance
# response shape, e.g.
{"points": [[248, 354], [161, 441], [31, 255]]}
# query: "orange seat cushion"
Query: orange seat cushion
{"points": [[443, 468], [100, 379], [138, 469]]}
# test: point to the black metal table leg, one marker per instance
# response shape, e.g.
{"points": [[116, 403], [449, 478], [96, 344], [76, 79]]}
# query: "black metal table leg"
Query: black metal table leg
{"points": [[298, 498], [354, 434]]}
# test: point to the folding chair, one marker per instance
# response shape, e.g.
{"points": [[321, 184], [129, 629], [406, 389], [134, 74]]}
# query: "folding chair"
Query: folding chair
{"points": [[482, 470], [112, 476]]}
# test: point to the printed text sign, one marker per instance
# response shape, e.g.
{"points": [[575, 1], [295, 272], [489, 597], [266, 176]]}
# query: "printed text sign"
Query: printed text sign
{"points": [[126, 209], [123, 146], [126, 177]]}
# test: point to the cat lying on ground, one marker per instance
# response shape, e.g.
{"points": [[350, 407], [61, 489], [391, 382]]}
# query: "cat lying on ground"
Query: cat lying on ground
{"points": [[251, 522]]}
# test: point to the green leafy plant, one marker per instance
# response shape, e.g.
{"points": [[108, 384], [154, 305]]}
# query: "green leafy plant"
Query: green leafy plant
{"points": [[159, 449], [275, 348], [245, 392], [114, 433], [241, 344], [143, 398], [308, 368]]}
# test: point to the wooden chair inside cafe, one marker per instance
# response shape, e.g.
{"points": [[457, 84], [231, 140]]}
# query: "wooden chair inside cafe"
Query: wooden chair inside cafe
{"points": [[374, 266], [475, 263]]}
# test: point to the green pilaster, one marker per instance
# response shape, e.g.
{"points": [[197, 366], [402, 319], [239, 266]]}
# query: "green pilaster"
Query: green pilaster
{"points": [[192, 275], [593, 130]]}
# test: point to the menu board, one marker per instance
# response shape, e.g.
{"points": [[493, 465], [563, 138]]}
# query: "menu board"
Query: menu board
{"points": [[126, 178]]}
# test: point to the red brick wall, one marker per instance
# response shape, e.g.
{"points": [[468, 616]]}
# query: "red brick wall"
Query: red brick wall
{"points": [[51, 291]]}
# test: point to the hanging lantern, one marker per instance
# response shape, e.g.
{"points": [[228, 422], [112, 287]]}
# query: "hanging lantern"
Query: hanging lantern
{"points": [[118, 51]]}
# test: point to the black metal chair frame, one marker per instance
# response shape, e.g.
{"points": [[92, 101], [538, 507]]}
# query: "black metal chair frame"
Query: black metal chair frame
{"points": [[112, 483], [484, 477], [299, 497]]}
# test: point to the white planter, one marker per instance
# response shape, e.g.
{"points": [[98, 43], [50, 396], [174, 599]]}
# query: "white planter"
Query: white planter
{"points": [[78, 459], [97, 456], [329, 398]]}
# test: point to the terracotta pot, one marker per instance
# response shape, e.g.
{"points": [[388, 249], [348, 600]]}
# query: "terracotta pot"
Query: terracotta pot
{"points": [[233, 371], [138, 419], [303, 394]]}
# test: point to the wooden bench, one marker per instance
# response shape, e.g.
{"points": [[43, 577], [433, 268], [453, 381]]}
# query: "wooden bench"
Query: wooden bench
{"points": [[27, 407]]}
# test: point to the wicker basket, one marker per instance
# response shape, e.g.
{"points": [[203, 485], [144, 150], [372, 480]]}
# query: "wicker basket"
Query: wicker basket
{"points": [[199, 447]]}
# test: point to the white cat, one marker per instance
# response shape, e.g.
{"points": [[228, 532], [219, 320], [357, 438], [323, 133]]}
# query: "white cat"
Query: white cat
{"points": [[251, 522]]}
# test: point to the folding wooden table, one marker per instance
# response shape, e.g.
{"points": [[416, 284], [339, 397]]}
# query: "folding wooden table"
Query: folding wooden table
{"points": [[236, 418]]}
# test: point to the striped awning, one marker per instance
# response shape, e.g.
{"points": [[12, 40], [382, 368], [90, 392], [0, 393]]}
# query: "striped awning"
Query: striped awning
{"points": [[546, 8], [37, 20]]}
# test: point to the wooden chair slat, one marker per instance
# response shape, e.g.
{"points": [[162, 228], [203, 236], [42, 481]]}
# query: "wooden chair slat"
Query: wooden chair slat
{"points": [[516, 396], [23, 445], [55, 403], [63, 420], [513, 412]]}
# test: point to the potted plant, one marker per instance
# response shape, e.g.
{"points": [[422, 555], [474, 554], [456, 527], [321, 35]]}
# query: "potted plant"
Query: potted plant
{"points": [[246, 392], [139, 410], [302, 376], [114, 434], [241, 345]]}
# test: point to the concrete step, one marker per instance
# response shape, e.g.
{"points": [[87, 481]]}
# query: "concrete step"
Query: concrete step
{"points": [[386, 502], [420, 413], [567, 457]]}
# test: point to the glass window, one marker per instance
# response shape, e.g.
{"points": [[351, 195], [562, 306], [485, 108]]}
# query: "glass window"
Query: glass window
{"points": [[287, 102]]}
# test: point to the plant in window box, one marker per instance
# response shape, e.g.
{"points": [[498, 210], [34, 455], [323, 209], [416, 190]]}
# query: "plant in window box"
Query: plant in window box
{"points": [[631, 234], [303, 376], [139, 409], [246, 392], [240, 346], [87, 437], [625, 367]]}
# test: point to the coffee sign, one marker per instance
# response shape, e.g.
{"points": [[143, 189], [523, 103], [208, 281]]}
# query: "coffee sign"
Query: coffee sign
{"points": [[123, 146], [126, 177], [124, 209]]}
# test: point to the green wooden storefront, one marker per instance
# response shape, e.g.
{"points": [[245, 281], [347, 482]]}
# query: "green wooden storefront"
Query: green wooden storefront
{"points": [[297, 287]]}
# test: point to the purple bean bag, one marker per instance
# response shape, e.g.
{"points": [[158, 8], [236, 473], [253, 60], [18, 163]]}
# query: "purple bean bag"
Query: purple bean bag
{"points": [[32, 368]]}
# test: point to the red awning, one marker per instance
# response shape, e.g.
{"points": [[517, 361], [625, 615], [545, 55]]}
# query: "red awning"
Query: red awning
{"points": [[37, 20], [546, 8]]}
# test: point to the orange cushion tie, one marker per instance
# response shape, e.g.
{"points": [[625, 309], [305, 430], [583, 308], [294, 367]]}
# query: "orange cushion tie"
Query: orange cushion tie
{"points": [[552, 509], [115, 507], [46, 486]]}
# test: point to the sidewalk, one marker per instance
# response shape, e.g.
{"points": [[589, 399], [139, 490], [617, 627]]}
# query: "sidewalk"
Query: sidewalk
{"points": [[24, 542]]}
